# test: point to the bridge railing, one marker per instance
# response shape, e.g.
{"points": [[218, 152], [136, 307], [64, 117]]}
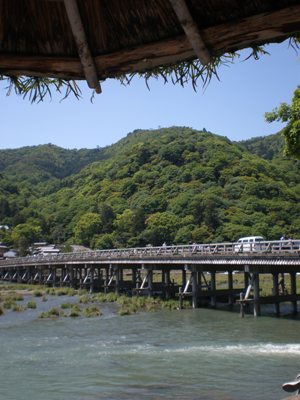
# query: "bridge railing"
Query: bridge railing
{"points": [[192, 250]]}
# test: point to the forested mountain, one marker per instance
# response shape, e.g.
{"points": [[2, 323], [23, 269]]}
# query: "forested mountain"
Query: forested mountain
{"points": [[173, 184], [268, 147], [38, 163]]}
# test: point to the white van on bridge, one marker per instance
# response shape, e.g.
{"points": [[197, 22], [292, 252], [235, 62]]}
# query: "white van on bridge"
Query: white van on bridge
{"points": [[249, 243]]}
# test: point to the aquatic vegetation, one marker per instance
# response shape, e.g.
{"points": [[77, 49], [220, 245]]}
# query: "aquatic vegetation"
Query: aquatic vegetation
{"points": [[173, 304], [52, 313], [111, 297], [92, 311], [99, 297], [74, 313], [127, 310], [65, 305], [31, 304], [85, 299], [18, 308], [38, 293], [1, 311], [12, 296], [65, 291], [8, 304]]}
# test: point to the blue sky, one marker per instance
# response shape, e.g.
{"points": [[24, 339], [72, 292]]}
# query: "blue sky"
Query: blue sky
{"points": [[233, 106]]}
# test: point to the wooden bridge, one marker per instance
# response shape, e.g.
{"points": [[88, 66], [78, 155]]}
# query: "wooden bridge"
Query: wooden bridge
{"points": [[188, 271]]}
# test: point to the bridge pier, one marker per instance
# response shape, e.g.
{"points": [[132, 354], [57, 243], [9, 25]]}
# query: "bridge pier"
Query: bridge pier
{"points": [[256, 300], [294, 292], [134, 278], [183, 277], [194, 288], [150, 282], [230, 288], [275, 291], [92, 273], [116, 271], [167, 281], [72, 282], [213, 288], [106, 277]]}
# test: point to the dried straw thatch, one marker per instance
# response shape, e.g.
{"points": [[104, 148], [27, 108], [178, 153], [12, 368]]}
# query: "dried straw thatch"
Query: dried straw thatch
{"points": [[98, 39]]}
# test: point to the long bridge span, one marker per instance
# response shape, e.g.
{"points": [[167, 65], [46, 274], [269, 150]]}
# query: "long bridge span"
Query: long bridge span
{"points": [[188, 271]]}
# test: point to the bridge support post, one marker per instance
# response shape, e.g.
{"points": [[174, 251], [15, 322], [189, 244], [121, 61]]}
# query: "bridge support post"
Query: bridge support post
{"points": [[92, 276], [294, 291], [80, 277], [150, 282], [106, 279], [40, 276], [62, 275], [230, 288], [168, 282], [180, 299], [19, 276], [117, 275], [256, 305], [30, 276], [275, 293], [99, 278], [183, 279], [246, 278], [213, 288], [194, 288], [72, 283], [133, 280]]}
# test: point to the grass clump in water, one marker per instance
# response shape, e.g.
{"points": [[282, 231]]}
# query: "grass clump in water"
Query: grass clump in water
{"points": [[92, 311], [111, 297], [75, 311], [65, 292], [66, 305], [1, 311], [8, 304], [38, 293], [173, 304], [18, 308], [85, 299], [31, 304], [52, 313]]}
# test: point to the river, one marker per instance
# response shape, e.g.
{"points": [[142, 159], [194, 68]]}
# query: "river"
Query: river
{"points": [[198, 354]]}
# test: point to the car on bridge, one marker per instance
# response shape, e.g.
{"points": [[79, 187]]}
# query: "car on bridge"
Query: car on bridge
{"points": [[249, 244]]}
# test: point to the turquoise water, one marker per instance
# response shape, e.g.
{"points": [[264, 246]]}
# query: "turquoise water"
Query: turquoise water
{"points": [[188, 354]]}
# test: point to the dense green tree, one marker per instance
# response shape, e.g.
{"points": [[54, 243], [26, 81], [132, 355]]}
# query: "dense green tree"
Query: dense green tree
{"points": [[23, 235], [102, 242], [161, 228], [291, 115], [88, 225]]}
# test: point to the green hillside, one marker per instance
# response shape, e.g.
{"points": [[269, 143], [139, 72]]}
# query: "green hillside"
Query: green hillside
{"points": [[268, 147], [174, 184]]}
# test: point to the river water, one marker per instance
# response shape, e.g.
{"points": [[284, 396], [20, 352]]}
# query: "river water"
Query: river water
{"points": [[189, 354]]}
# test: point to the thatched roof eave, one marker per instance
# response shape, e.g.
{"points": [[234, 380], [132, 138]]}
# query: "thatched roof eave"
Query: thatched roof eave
{"points": [[97, 39]]}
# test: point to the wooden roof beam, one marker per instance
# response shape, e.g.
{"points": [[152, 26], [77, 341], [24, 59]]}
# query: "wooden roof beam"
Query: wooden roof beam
{"points": [[84, 53], [267, 27], [191, 30]]}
